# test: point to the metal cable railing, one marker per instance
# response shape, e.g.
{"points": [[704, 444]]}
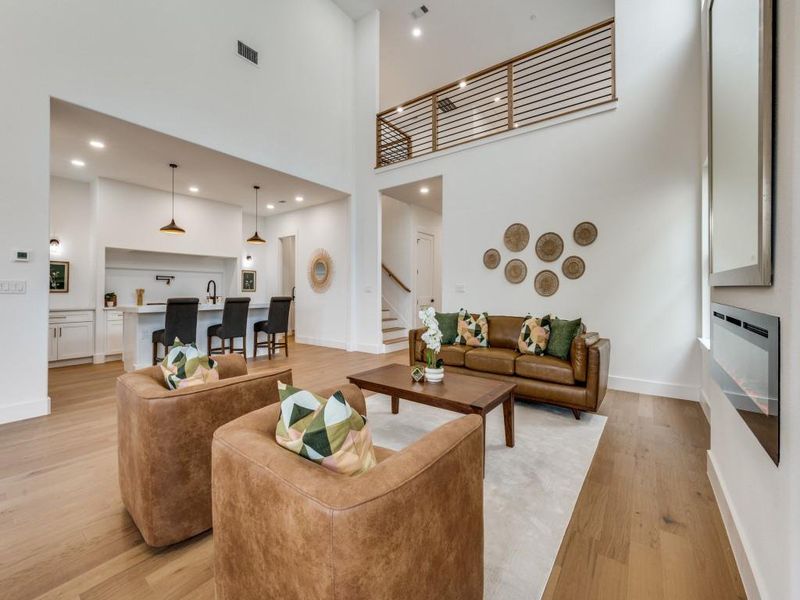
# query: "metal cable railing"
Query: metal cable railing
{"points": [[570, 74]]}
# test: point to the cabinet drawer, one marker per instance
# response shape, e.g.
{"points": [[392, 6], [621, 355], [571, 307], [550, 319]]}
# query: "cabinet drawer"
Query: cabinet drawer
{"points": [[71, 316], [114, 315]]}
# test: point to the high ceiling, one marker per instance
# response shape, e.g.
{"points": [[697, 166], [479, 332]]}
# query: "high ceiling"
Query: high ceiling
{"points": [[411, 193], [460, 37], [134, 154]]}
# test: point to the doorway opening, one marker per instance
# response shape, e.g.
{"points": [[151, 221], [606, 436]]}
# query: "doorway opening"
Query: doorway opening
{"points": [[411, 280]]}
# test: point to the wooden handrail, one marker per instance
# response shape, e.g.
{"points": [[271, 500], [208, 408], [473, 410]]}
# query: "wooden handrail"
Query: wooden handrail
{"points": [[395, 278], [567, 75]]}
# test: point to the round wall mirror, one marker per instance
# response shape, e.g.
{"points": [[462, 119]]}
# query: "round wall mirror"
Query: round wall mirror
{"points": [[320, 271]]}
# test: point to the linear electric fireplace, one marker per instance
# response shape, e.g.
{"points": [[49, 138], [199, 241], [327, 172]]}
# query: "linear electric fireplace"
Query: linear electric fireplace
{"points": [[745, 347]]}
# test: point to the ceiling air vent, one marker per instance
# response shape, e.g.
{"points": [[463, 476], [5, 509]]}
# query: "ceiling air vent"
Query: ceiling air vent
{"points": [[446, 105], [247, 53]]}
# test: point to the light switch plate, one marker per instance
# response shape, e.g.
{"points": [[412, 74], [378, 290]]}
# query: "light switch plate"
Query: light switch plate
{"points": [[13, 286], [461, 288]]}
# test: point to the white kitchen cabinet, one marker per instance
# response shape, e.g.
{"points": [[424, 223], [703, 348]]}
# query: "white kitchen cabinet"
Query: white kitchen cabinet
{"points": [[114, 332], [52, 344], [71, 335]]}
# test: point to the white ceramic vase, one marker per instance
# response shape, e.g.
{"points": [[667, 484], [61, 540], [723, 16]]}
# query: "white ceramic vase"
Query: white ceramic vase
{"points": [[434, 375]]}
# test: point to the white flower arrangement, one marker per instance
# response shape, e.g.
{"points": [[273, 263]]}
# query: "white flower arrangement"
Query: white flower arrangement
{"points": [[432, 337]]}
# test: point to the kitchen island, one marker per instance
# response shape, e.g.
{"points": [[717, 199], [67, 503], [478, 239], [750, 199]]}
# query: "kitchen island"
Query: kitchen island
{"points": [[139, 323]]}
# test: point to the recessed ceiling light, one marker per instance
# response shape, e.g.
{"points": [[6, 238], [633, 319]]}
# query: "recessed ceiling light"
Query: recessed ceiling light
{"points": [[423, 190], [270, 207], [97, 144], [194, 189], [416, 32], [298, 198], [399, 109], [77, 162], [462, 85]]}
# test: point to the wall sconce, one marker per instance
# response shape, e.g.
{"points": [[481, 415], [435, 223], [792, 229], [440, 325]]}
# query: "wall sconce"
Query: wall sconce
{"points": [[55, 246], [248, 260]]}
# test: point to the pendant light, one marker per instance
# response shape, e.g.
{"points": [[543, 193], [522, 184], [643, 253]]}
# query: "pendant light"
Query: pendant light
{"points": [[255, 238], [172, 228]]}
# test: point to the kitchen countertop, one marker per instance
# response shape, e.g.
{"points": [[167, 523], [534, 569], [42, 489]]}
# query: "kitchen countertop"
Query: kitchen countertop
{"points": [[160, 308]]}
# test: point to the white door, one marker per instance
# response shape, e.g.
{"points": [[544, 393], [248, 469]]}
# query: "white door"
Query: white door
{"points": [[52, 343], [287, 277], [75, 340], [425, 267]]}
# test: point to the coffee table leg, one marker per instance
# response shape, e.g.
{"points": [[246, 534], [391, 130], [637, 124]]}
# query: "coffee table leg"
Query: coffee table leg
{"points": [[395, 405], [483, 420], [508, 417]]}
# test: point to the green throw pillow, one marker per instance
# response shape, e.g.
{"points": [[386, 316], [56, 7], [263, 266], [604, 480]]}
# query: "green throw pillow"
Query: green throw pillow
{"points": [[448, 324], [561, 335]]}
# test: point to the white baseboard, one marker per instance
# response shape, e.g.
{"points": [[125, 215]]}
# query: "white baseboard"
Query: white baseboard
{"points": [[704, 404], [367, 348], [730, 520], [70, 362], [342, 345], [654, 388], [24, 410]]}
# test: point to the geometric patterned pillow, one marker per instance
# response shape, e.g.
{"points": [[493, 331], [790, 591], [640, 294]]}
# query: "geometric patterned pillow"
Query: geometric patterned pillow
{"points": [[534, 335], [328, 432], [185, 366], [472, 331]]}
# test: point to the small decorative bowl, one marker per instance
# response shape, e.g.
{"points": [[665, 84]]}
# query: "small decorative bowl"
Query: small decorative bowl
{"points": [[417, 374]]}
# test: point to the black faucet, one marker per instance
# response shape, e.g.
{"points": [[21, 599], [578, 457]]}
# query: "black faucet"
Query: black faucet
{"points": [[213, 297]]}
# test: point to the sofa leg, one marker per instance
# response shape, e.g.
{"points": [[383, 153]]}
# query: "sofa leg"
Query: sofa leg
{"points": [[577, 414]]}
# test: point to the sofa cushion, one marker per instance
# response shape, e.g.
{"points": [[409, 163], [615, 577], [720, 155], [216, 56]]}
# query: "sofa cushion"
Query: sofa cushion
{"points": [[328, 432], [473, 331], [534, 335], [448, 325], [545, 368], [504, 332], [561, 335], [453, 355], [185, 366], [491, 360]]}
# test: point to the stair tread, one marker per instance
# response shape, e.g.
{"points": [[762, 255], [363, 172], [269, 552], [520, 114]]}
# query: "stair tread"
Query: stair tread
{"points": [[394, 341], [389, 319], [388, 329]]}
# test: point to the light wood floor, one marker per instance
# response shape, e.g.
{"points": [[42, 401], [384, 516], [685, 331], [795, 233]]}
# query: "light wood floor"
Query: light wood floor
{"points": [[645, 527]]}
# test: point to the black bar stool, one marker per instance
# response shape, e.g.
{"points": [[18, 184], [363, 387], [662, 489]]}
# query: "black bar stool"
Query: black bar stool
{"points": [[278, 323], [180, 322], [234, 325]]}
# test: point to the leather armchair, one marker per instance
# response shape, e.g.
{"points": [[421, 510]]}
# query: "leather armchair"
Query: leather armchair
{"points": [[285, 527], [165, 438]]}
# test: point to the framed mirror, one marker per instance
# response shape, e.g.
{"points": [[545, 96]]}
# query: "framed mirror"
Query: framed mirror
{"points": [[740, 141], [320, 271]]}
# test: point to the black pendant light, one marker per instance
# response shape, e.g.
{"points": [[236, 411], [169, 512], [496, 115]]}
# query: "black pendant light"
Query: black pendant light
{"points": [[172, 228], [255, 238]]}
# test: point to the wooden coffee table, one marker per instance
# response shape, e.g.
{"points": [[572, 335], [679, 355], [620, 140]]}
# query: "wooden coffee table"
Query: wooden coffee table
{"points": [[459, 393]]}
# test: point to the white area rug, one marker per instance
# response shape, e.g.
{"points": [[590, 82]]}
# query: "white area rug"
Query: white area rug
{"points": [[529, 491]]}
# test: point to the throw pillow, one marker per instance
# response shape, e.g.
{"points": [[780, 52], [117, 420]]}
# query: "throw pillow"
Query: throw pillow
{"points": [[328, 432], [448, 325], [534, 335], [185, 366], [472, 331], [561, 335]]}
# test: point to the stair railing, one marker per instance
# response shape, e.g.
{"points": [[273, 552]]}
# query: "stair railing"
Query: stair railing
{"points": [[395, 278]]}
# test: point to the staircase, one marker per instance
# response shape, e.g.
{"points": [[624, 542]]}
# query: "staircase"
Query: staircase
{"points": [[395, 333]]}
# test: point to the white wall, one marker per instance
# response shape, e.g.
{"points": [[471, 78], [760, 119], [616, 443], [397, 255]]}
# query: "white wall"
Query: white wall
{"points": [[70, 215], [400, 224], [763, 498], [321, 319], [170, 66], [634, 171]]}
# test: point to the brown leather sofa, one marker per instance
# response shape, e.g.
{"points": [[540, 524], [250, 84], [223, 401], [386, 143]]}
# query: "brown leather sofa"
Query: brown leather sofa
{"points": [[285, 527], [578, 383], [165, 443]]}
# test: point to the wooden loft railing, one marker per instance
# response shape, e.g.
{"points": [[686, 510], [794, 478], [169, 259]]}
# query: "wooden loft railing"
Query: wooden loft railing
{"points": [[395, 278], [564, 76]]}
